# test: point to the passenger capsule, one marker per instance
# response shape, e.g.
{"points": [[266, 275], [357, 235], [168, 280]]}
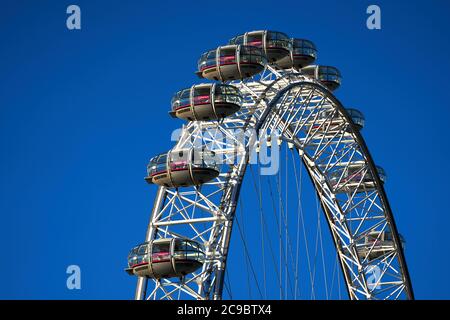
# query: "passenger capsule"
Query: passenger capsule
{"points": [[206, 102], [330, 77], [165, 258], [303, 53], [231, 62], [275, 45], [329, 121], [357, 117], [352, 177], [181, 168], [376, 244]]}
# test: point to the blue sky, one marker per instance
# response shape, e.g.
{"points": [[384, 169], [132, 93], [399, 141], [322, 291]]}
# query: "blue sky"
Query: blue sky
{"points": [[81, 112]]}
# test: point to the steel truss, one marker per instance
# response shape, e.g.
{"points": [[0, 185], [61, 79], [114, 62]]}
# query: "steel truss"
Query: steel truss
{"points": [[287, 104]]}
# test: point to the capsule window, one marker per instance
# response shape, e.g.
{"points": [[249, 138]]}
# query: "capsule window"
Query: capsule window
{"points": [[162, 159], [207, 60], [305, 44], [180, 245], [202, 95], [181, 99], [179, 250], [357, 116], [251, 55], [228, 94], [227, 56], [161, 163], [185, 249], [161, 247], [237, 40], [255, 40], [161, 252], [175, 102], [142, 249], [178, 160], [272, 36], [184, 97], [304, 47], [157, 164], [281, 36], [135, 250], [329, 74], [277, 39]]}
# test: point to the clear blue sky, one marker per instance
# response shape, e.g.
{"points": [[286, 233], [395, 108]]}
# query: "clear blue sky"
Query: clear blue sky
{"points": [[81, 112]]}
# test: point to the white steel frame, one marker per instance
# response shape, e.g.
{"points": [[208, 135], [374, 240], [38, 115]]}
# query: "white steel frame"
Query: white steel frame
{"points": [[288, 103]]}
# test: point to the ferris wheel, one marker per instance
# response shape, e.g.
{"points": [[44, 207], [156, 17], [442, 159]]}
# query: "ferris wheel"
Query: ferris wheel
{"points": [[266, 93]]}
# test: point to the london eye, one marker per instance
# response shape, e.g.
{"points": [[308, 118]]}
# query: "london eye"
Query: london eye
{"points": [[262, 90]]}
